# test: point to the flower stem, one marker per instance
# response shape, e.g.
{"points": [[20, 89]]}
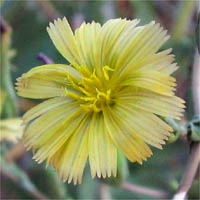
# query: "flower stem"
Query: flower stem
{"points": [[6, 81], [189, 174], [104, 192], [194, 158], [145, 191]]}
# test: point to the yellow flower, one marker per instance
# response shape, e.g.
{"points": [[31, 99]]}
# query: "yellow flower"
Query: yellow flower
{"points": [[10, 129], [109, 98]]}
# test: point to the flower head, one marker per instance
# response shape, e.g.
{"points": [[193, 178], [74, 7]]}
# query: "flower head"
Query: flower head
{"points": [[11, 129], [108, 99]]}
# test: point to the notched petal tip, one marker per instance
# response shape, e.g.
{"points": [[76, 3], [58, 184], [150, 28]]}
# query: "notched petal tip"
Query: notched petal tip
{"points": [[51, 25], [93, 176], [55, 21], [99, 174], [137, 20], [140, 162], [153, 22], [47, 29], [115, 173]]}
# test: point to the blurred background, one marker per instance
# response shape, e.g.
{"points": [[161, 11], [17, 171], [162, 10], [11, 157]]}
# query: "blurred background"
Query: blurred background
{"points": [[24, 37]]}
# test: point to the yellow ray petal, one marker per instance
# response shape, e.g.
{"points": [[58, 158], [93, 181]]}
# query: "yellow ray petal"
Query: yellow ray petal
{"points": [[102, 152], [44, 107], [45, 81], [43, 127], [154, 103], [161, 62], [59, 69], [63, 39], [111, 35], [138, 43], [151, 80], [129, 143], [146, 125], [87, 42], [47, 146], [72, 160]]}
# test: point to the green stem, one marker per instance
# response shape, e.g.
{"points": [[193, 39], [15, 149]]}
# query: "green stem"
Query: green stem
{"points": [[189, 173], [10, 107]]}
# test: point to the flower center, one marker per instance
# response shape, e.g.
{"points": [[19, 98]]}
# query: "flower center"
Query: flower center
{"points": [[92, 92]]}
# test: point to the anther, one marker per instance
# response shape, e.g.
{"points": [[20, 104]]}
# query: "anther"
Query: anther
{"points": [[88, 98], [76, 96]]}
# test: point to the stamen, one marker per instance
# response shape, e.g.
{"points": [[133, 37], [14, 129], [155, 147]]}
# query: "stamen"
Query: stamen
{"points": [[72, 94], [94, 77], [108, 92], [99, 93], [96, 109], [73, 84], [105, 72], [88, 98], [84, 71], [86, 107], [94, 93]]}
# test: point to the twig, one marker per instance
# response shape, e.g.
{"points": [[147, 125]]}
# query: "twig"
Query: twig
{"points": [[145, 191], [46, 60], [35, 193], [104, 192], [189, 174]]}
